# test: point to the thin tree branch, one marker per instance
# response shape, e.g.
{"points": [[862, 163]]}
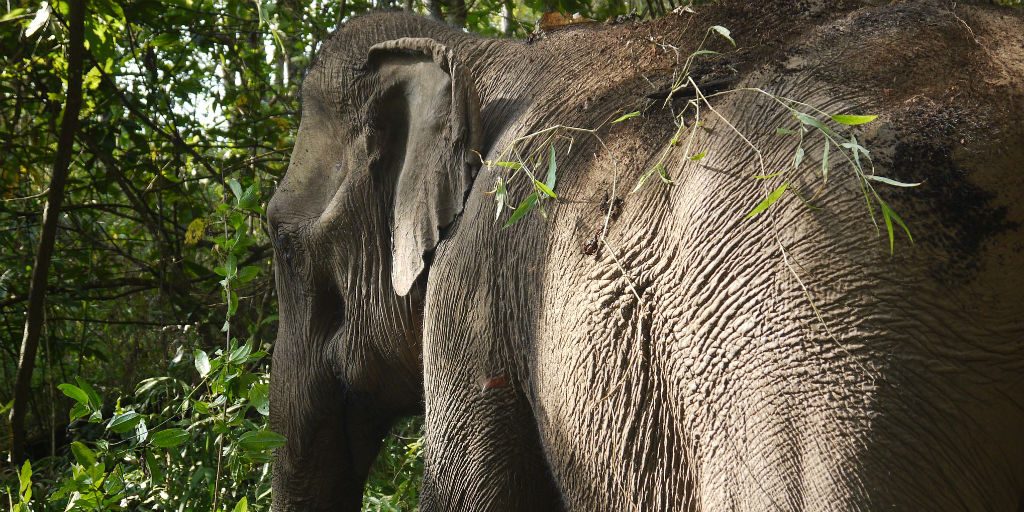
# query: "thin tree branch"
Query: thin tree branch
{"points": [[34, 318]]}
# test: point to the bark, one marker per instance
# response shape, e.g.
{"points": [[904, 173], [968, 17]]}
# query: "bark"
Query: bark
{"points": [[457, 13], [434, 9], [506, 19], [34, 317]]}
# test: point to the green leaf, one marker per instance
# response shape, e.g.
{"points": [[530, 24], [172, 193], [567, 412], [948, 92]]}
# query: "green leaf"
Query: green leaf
{"points": [[852, 120], [169, 438], [724, 32], [890, 217], [246, 274], [155, 466], [78, 410], [545, 189], [552, 172], [630, 115], [259, 398], [509, 165], [644, 177], [202, 363], [815, 123], [784, 131], [164, 40], [83, 454], [889, 181], [236, 188], [75, 392], [239, 354], [699, 156], [124, 422], [94, 398], [242, 506], [260, 440], [247, 201], [772, 197], [663, 173], [25, 477], [798, 158], [524, 207]]}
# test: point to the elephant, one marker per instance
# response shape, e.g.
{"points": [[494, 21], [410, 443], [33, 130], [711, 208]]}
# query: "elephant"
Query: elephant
{"points": [[681, 343]]}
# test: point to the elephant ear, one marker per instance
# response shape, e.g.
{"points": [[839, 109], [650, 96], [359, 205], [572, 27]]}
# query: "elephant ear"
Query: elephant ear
{"points": [[426, 102]]}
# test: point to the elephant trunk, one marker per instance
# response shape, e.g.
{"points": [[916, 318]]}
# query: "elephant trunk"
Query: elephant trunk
{"points": [[332, 436]]}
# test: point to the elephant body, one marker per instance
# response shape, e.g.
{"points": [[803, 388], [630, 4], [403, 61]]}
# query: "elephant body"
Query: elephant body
{"points": [[658, 350]]}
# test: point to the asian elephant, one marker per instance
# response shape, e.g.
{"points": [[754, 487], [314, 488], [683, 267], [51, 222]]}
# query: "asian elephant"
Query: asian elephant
{"points": [[657, 348]]}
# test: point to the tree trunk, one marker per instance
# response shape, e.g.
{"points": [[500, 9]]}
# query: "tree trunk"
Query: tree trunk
{"points": [[434, 9], [506, 19], [457, 13], [34, 318]]}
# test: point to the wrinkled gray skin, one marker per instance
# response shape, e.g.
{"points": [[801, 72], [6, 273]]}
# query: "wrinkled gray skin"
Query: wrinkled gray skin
{"points": [[782, 363]]}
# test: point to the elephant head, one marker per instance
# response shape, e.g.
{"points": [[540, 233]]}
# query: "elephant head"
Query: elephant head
{"points": [[382, 164]]}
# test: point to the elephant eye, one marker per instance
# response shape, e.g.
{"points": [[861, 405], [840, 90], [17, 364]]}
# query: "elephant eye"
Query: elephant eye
{"points": [[284, 246]]}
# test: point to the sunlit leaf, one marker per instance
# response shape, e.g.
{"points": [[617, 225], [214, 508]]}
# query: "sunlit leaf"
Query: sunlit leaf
{"points": [[40, 19], [202, 363], [852, 120], [124, 422], [889, 181], [76, 393], [524, 207], [772, 197], [630, 115], [724, 32], [545, 189]]}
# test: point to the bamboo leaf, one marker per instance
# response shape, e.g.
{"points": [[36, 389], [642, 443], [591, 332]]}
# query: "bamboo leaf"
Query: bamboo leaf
{"points": [[545, 189], [772, 197], [814, 123], [625, 117], [889, 181], [852, 120], [524, 207], [724, 32]]}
